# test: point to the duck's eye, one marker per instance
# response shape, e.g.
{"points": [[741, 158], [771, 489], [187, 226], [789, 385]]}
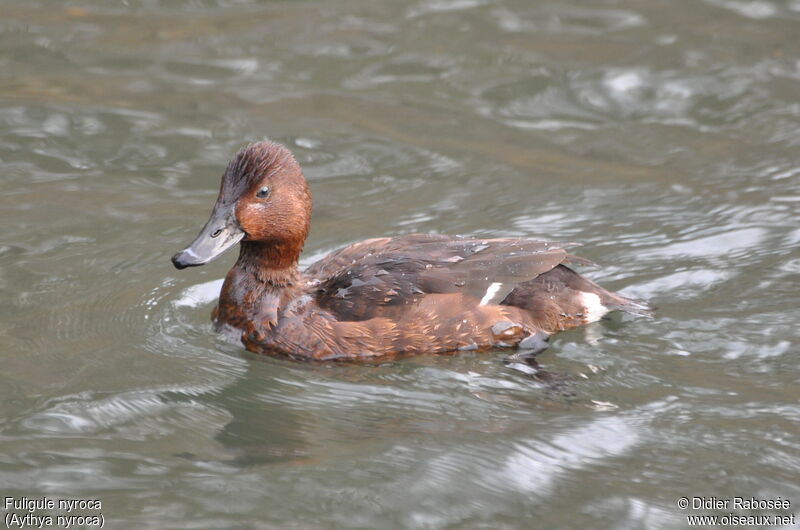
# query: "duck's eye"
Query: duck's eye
{"points": [[263, 192]]}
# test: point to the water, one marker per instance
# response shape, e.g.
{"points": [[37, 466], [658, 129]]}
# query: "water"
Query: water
{"points": [[662, 136]]}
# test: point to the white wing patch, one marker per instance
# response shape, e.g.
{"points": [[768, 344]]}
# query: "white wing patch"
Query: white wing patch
{"points": [[593, 309], [490, 292]]}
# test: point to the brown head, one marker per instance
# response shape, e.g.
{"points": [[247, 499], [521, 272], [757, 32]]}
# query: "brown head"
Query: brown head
{"points": [[264, 201]]}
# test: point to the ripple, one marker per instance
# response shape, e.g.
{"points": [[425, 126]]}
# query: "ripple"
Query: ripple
{"points": [[403, 69], [756, 10], [200, 294], [682, 285], [727, 243], [566, 19], [536, 466], [443, 6], [135, 415]]}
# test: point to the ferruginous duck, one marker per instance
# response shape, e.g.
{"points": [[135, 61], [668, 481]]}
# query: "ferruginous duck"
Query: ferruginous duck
{"points": [[382, 297]]}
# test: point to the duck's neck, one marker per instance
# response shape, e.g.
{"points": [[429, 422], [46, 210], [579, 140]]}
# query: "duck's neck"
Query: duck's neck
{"points": [[272, 264], [263, 280]]}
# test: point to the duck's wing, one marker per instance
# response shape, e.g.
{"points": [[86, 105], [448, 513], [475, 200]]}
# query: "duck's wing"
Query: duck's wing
{"points": [[369, 278]]}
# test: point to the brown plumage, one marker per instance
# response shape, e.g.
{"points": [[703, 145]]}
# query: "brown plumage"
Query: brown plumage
{"points": [[381, 297]]}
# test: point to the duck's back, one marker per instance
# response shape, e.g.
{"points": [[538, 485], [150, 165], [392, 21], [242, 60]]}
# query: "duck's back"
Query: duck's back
{"points": [[440, 293], [377, 276]]}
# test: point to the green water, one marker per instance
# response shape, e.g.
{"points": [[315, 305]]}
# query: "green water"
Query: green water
{"points": [[663, 136]]}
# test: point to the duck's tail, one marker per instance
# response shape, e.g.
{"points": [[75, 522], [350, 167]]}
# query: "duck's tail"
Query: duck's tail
{"points": [[561, 299], [600, 301], [629, 305]]}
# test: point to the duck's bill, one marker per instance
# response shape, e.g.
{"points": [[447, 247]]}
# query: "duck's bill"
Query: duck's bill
{"points": [[219, 234]]}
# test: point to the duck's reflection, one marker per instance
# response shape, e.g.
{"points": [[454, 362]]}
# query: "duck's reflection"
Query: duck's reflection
{"points": [[283, 412]]}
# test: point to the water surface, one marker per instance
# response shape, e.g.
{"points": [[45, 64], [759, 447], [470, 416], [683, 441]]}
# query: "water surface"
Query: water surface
{"points": [[662, 136]]}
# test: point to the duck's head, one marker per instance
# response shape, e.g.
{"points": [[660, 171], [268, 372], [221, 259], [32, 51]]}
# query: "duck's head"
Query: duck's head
{"points": [[263, 201]]}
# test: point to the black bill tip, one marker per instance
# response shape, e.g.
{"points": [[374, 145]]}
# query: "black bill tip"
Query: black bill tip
{"points": [[181, 260]]}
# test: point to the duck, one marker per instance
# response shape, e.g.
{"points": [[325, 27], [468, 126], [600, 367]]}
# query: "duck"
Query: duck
{"points": [[383, 297]]}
